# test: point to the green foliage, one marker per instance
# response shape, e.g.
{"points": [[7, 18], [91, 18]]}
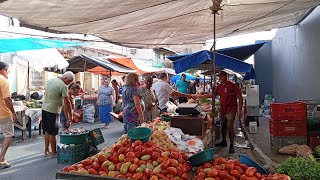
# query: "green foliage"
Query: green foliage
{"points": [[317, 151], [300, 169]]}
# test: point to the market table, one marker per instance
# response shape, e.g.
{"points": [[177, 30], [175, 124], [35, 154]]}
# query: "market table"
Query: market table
{"points": [[67, 175]]}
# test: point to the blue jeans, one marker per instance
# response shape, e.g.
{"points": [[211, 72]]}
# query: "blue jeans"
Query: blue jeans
{"points": [[63, 120]]}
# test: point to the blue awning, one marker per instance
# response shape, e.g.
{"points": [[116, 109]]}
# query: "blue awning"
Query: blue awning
{"points": [[22, 44], [193, 60], [242, 52], [188, 77]]}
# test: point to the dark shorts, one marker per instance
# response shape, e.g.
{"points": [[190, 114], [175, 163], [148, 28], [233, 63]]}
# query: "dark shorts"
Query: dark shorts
{"points": [[63, 120], [50, 123]]}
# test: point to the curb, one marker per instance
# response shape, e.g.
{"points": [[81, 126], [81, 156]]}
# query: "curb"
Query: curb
{"points": [[255, 148]]}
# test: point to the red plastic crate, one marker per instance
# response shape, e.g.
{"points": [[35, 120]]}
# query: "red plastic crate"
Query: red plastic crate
{"points": [[313, 139], [288, 127], [285, 110]]}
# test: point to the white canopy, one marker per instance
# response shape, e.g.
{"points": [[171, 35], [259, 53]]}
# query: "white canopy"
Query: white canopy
{"points": [[149, 23]]}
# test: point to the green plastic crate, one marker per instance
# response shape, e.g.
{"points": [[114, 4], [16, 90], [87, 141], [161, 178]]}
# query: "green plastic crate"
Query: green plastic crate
{"points": [[73, 139], [96, 137], [73, 154]]}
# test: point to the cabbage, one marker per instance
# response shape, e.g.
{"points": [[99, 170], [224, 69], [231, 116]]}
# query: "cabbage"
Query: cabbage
{"points": [[317, 151]]}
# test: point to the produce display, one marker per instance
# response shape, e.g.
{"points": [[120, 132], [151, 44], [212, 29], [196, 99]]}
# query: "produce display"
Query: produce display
{"points": [[135, 160], [32, 103], [157, 124], [161, 139], [74, 131], [299, 168], [220, 168]]}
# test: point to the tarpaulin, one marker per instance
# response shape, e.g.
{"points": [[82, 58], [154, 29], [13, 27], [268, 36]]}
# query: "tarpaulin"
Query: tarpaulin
{"points": [[188, 77], [22, 44], [242, 52], [193, 60]]}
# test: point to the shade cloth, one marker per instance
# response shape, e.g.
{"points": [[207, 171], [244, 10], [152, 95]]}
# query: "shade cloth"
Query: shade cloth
{"points": [[242, 52], [206, 57], [22, 44], [150, 23], [178, 77]]}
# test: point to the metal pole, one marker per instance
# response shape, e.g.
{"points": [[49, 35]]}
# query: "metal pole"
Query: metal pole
{"points": [[214, 79], [84, 73]]}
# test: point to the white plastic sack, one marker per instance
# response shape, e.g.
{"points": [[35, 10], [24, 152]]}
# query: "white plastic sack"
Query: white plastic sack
{"points": [[88, 113], [171, 108]]}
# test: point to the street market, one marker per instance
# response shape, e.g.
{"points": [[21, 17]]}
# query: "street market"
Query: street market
{"points": [[160, 90]]}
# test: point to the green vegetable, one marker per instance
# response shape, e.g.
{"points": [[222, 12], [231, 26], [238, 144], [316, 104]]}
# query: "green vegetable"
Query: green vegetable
{"points": [[317, 151], [300, 169]]}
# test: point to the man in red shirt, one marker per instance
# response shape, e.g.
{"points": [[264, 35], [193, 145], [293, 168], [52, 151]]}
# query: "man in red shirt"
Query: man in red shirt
{"points": [[230, 104]]}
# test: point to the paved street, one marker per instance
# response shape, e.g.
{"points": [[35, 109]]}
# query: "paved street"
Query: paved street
{"points": [[28, 162]]}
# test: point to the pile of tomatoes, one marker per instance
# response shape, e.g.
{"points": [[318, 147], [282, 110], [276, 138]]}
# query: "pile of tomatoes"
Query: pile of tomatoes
{"points": [[221, 169], [136, 160]]}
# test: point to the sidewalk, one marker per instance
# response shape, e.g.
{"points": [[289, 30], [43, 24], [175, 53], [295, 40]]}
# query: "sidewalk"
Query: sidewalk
{"points": [[261, 144]]}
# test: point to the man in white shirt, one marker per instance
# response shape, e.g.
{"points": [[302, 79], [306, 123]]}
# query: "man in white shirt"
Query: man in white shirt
{"points": [[163, 90]]}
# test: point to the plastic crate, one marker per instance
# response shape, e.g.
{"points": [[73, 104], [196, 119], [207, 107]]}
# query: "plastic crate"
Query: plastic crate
{"points": [[277, 142], [73, 139], [288, 127], [288, 110], [96, 137], [313, 139], [72, 154]]}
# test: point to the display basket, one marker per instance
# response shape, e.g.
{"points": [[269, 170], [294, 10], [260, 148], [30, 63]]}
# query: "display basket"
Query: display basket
{"points": [[73, 138], [72, 154], [96, 137]]}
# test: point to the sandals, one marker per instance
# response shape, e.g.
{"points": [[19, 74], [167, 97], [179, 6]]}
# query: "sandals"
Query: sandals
{"points": [[4, 164]]}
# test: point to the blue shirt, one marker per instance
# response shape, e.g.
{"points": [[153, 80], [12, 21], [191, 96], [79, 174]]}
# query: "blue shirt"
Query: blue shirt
{"points": [[182, 86], [105, 95]]}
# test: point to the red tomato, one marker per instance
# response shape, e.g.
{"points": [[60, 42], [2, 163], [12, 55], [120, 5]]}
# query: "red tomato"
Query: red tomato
{"points": [[148, 172], [145, 151], [130, 155], [239, 169], [165, 164], [104, 168], [121, 150], [238, 163], [66, 169], [222, 161], [95, 165], [138, 142], [224, 174], [133, 168], [213, 173], [138, 154], [117, 147], [102, 158], [202, 175], [174, 155], [251, 171], [235, 174], [118, 167], [155, 155], [215, 161], [128, 160], [129, 175], [121, 176], [172, 170], [161, 176], [258, 175], [153, 177], [87, 162], [137, 176], [230, 165], [173, 162], [244, 167], [206, 165], [92, 171], [185, 176], [185, 168], [141, 162]]}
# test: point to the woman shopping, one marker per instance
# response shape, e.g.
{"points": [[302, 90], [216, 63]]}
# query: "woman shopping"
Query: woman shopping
{"points": [[132, 106], [149, 100], [105, 101]]}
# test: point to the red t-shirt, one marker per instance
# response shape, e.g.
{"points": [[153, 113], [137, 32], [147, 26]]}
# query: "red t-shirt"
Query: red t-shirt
{"points": [[228, 96]]}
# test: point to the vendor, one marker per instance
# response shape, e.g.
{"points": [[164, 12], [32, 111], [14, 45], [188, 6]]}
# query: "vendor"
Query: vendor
{"points": [[230, 105], [163, 89], [182, 87], [73, 90]]}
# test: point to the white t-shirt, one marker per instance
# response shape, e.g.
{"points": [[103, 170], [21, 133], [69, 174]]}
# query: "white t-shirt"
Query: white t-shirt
{"points": [[162, 90]]}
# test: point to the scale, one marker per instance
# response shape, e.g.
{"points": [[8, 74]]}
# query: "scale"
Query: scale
{"points": [[188, 109]]}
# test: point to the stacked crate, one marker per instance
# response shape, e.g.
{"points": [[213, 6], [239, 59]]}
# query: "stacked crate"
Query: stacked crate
{"points": [[288, 124]]}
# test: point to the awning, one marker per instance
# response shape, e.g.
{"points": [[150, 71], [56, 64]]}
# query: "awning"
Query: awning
{"points": [[158, 23], [188, 77], [22, 44], [97, 65], [127, 62], [241, 52], [205, 58]]}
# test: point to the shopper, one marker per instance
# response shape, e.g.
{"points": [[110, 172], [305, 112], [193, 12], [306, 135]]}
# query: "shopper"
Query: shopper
{"points": [[56, 96], [182, 87], [149, 99], [230, 104], [132, 106], [162, 91], [105, 101], [73, 90], [7, 114], [115, 86]]}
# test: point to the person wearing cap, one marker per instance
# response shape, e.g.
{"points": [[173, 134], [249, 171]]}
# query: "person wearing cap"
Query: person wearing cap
{"points": [[7, 114], [182, 87], [163, 90], [230, 104]]}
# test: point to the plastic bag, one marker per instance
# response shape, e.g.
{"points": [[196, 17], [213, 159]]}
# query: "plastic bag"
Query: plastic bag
{"points": [[88, 113], [171, 108]]}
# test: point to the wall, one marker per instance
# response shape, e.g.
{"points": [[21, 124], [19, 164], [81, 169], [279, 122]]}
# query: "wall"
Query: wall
{"points": [[263, 66], [295, 61]]}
